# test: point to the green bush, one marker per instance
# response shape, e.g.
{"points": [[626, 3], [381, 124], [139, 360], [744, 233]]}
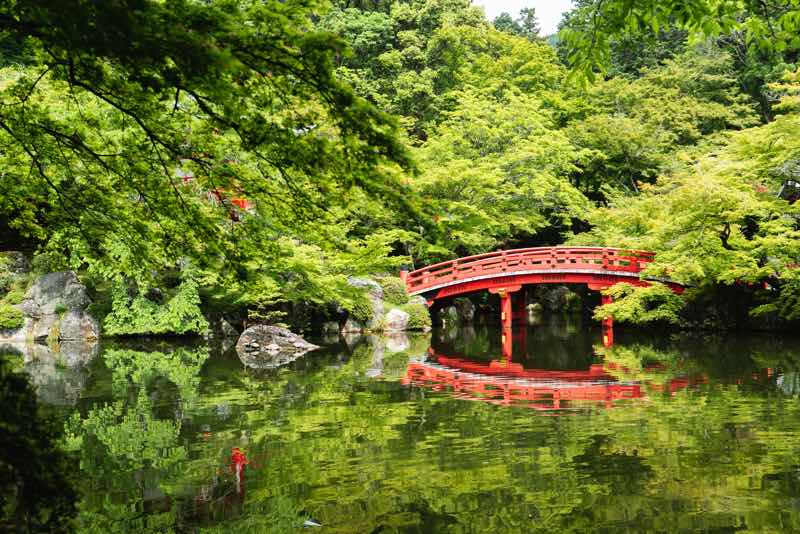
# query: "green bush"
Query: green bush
{"points": [[359, 307], [418, 316], [15, 296], [394, 290], [180, 314], [10, 317]]}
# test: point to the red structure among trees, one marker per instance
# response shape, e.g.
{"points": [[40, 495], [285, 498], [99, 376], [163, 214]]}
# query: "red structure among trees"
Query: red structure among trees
{"points": [[506, 272]]}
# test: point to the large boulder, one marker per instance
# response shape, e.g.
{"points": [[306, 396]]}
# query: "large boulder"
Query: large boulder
{"points": [[55, 310], [352, 326], [55, 292], [449, 316], [557, 299], [396, 320], [265, 346], [18, 335], [77, 325]]}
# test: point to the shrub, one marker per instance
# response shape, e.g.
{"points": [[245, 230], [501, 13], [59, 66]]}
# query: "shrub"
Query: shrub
{"points": [[10, 317], [359, 307], [15, 296], [180, 314], [418, 316], [394, 290]]}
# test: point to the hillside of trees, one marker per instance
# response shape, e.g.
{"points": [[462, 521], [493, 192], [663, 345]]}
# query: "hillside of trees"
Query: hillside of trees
{"points": [[251, 156]]}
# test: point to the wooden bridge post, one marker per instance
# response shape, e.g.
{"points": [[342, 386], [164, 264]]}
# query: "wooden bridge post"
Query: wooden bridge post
{"points": [[506, 316], [608, 324]]}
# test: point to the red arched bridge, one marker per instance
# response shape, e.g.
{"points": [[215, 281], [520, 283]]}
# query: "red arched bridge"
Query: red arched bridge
{"points": [[507, 271]]}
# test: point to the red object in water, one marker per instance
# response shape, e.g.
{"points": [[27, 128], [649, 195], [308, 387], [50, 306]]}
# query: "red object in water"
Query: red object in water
{"points": [[238, 460], [242, 203]]}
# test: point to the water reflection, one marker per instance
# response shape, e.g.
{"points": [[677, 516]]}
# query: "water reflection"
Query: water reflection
{"points": [[58, 373], [549, 374], [378, 434], [503, 382]]}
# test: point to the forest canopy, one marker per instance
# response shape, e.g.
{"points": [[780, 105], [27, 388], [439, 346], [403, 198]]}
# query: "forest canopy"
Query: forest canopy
{"points": [[267, 150]]}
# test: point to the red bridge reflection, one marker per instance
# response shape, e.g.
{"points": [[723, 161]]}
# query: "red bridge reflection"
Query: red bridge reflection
{"points": [[504, 382]]}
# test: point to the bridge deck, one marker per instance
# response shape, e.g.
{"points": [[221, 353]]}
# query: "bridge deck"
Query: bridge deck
{"points": [[574, 264]]}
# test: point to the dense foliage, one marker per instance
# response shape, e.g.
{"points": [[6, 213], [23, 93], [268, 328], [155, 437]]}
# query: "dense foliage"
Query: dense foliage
{"points": [[280, 147]]}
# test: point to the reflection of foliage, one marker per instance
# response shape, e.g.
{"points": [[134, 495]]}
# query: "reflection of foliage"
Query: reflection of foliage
{"points": [[360, 455], [126, 442], [642, 363], [133, 438], [180, 366], [36, 479]]}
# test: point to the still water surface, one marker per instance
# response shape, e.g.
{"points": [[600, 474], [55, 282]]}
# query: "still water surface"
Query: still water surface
{"points": [[438, 433]]}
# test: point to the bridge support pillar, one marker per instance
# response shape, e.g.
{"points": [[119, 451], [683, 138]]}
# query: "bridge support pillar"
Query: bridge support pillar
{"points": [[608, 324], [506, 317]]}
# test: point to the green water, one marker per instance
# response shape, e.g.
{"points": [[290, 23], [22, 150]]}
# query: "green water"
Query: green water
{"points": [[661, 434]]}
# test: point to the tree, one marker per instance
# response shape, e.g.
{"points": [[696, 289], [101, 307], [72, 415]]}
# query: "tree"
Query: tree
{"points": [[239, 96], [506, 23], [718, 221], [594, 23], [529, 23]]}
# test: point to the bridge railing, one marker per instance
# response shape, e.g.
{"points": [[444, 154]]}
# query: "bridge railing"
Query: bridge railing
{"points": [[528, 259]]}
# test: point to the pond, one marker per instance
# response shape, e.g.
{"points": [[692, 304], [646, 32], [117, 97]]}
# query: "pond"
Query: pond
{"points": [[436, 433]]}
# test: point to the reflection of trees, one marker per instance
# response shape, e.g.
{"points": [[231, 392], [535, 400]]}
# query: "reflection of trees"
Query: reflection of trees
{"points": [[127, 450], [359, 458], [36, 478], [361, 454]]}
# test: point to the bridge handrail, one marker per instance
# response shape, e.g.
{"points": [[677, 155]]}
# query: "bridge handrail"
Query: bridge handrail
{"points": [[537, 258]]}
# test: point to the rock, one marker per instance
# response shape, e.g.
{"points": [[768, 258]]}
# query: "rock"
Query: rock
{"points": [[264, 346], [352, 326], [227, 330], [55, 309], [46, 326], [418, 299], [557, 299], [78, 325], [449, 316], [396, 320], [534, 313], [330, 327], [397, 342], [54, 291], [375, 295], [18, 335], [16, 263]]}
